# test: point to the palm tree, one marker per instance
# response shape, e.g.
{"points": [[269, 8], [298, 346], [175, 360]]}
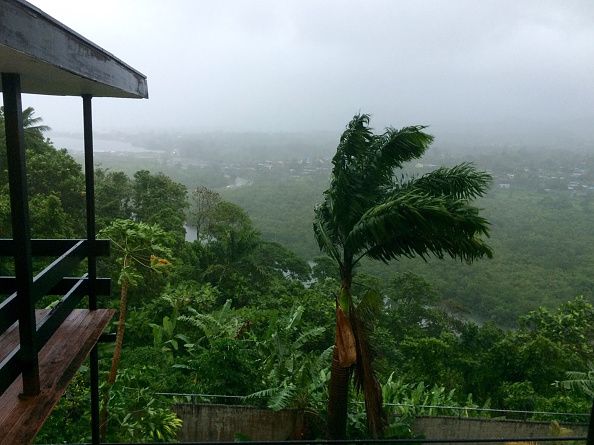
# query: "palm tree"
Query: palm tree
{"points": [[31, 124], [367, 212]]}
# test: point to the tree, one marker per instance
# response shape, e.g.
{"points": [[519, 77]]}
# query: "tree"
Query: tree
{"points": [[113, 193], [367, 212], [571, 325], [229, 252], [140, 247], [204, 201], [160, 200], [31, 125], [55, 182]]}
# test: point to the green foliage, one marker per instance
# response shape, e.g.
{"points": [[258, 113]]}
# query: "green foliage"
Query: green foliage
{"points": [[113, 196], [136, 415], [49, 219], [281, 260], [70, 419], [580, 381], [55, 172], [540, 230], [519, 396], [223, 323], [294, 375], [572, 324], [139, 247], [202, 209], [417, 399], [160, 200], [233, 356], [367, 212], [55, 186], [405, 401], [241, 314]]}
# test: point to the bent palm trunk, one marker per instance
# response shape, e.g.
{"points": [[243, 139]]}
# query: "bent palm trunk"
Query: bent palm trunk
{"points": [[338, 398], [366, 381], [343, 358]]}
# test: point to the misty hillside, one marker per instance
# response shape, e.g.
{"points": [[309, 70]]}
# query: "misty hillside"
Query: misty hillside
{"points": [[540, 205]]}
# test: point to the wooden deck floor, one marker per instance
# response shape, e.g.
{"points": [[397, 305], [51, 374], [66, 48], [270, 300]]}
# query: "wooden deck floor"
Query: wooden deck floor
{"points": [[60, 358]]}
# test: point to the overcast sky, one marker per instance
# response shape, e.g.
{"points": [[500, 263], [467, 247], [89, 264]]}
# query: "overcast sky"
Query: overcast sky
{"points": [[300, 65]]}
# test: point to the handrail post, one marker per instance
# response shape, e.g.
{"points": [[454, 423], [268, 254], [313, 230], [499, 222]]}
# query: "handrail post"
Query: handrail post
{"points": [[92, 258], [21, 231], [590, 440]]}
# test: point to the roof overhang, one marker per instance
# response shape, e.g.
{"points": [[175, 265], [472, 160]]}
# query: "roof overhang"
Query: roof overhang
{"points": [[53, 59]]}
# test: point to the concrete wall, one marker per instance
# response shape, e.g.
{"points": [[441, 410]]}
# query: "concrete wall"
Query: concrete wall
{"points": [[223, 422], [437, 427]]}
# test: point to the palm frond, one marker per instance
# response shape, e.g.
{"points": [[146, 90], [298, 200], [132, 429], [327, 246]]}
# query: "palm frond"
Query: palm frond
{"points": [[278, 398], [362, 168], [30, 123], [346, 197], [392, 149], [462, 181], [321, 233], [282, 399], [412, 223], [354, 142]]}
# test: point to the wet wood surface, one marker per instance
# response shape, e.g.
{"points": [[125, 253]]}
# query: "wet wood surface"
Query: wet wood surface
{"points": [[59, 359]]}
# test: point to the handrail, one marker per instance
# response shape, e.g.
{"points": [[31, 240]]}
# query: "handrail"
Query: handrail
{"points": [[10, 365], [8, 306], [45, 281], [52, 274], [49, 278], [51, 247], [49, 281]]}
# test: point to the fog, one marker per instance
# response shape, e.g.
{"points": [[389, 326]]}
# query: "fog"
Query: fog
{"points": [[494, 69]]}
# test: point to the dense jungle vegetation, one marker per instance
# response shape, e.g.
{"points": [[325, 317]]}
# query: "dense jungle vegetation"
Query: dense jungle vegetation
{"points": [[248, 307]]}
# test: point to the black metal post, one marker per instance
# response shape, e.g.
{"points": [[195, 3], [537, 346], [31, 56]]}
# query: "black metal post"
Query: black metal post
{"points": [[92, 259], [21, 230], [590, 440]]}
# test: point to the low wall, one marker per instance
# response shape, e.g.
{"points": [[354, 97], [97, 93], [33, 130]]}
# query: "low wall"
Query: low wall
{"points": [[213, 423], [442, 427], [206, 423]]}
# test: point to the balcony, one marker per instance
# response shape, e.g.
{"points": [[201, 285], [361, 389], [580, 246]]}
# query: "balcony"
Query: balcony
{"points": [[40, 350]]}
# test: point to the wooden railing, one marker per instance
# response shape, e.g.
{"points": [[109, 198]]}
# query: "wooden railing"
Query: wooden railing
{"points": [[52, 280]]}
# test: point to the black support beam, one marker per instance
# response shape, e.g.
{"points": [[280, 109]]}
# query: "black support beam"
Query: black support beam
{"points": [[92, 259], [21, 230]]}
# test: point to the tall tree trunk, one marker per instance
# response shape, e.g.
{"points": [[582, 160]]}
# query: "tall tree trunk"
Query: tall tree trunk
{"points": [[343, 358], [338, 398], [117, 354], [366, 381]]}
